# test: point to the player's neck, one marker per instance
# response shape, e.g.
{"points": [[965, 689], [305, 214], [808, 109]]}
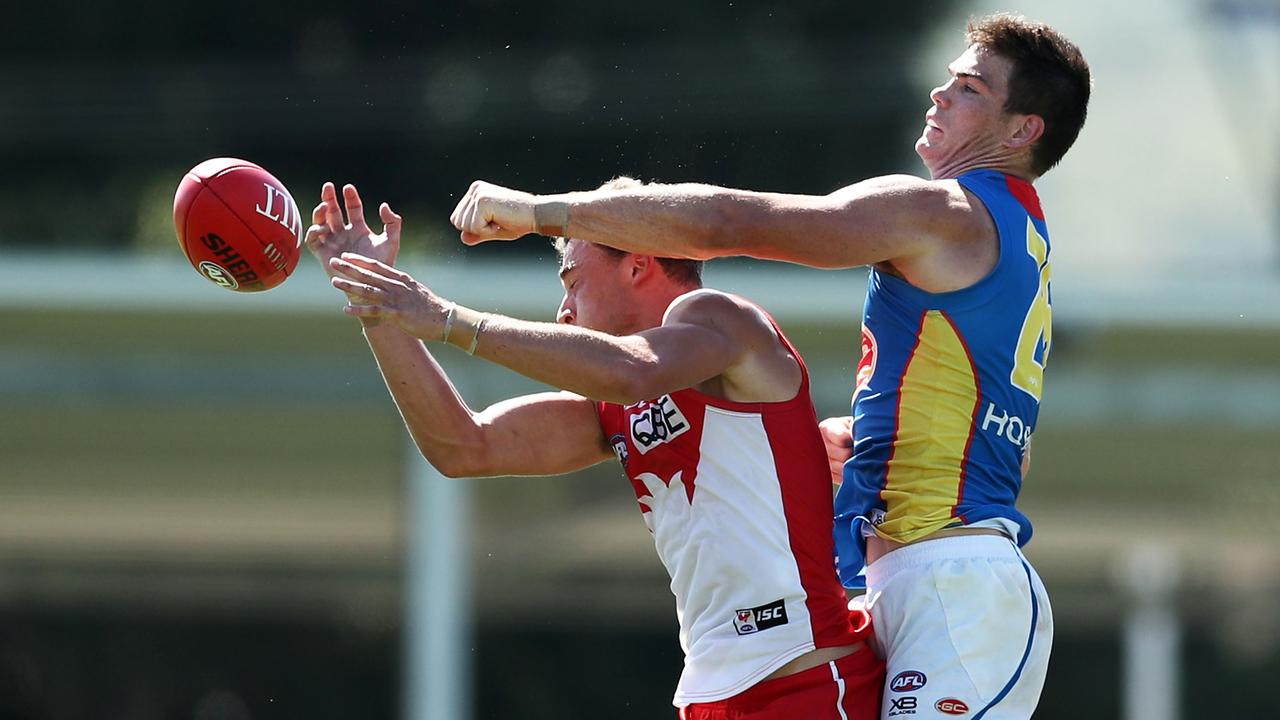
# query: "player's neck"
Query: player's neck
{"points": [[652, 310], [1009, 165]]}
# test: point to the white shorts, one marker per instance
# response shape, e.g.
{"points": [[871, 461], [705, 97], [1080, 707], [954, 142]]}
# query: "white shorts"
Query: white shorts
{"points": [[965, 628]]}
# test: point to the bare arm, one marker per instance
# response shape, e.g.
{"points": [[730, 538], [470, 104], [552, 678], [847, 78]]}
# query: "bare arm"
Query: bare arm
{"points": [[543, 434], [705, 335], [888, 218]]}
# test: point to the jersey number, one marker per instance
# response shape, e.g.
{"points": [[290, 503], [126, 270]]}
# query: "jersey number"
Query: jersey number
{"points": [[1028, 372]]}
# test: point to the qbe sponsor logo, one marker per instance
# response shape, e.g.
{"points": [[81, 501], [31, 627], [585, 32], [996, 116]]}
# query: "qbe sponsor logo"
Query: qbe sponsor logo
{"points": [[753, 620], [905, 705], [951, 706], [660, 422], [907, 681]]}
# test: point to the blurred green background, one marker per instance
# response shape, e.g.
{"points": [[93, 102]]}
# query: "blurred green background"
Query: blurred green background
{"points": [[203, 496]]}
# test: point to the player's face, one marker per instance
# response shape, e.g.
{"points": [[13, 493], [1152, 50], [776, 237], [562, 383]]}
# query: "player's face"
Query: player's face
{"points": [[595, 290], [967, 121]]}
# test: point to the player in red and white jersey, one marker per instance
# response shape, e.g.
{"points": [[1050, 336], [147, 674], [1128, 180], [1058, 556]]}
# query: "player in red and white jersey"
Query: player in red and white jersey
{"points": [[730, 491], [707, 406]]}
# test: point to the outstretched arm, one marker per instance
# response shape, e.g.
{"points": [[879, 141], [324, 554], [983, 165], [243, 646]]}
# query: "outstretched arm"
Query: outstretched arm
{"points": [[705, 335], [543, 434], [888, 218]]}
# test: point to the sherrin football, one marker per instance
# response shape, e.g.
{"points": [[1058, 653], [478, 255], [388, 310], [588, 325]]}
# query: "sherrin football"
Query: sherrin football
{"points": [[237, 224]]}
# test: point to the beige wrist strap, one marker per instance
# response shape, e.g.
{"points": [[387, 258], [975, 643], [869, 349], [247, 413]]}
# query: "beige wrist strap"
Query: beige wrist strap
{"points": [[475, 339], [551, 218], [469, 324], [448, 321]]}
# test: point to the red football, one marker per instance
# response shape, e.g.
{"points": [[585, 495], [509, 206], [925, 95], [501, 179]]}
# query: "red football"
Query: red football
{"points": [[237, 224]]}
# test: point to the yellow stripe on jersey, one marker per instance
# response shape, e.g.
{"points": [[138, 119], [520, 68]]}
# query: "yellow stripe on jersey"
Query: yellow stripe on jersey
{"points": [[936, 404]]}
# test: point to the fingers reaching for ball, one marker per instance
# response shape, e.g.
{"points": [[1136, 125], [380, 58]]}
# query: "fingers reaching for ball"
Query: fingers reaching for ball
{"points": [[333, 213], [364, 311], [390, 221], [376, 290], [318, 231], [355, 208], [356, 289], [339, 226], [369, 271]]}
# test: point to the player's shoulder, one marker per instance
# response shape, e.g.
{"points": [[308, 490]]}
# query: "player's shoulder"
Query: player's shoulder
{"points": [[728, 312], [903, 184], [708, 301], [921, 200], [945, 209]]}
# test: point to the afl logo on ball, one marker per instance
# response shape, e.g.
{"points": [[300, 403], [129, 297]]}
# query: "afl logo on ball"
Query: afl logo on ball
{"points": [[214, 272]]}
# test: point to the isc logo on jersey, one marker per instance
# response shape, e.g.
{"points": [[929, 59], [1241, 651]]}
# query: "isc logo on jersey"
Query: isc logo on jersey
{"points": [[753, 620], [657, 422]]}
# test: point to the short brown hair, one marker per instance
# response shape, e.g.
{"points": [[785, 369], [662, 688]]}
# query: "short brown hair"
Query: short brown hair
{"points": [[1050, 78], [684, 271]]}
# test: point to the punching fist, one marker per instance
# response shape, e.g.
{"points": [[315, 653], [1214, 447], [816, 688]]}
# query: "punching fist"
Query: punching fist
{"points": [[492, 212]]}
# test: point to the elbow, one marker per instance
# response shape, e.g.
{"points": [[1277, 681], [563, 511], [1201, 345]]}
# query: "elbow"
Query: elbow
{"points": [[453, 461], [452, 469]]}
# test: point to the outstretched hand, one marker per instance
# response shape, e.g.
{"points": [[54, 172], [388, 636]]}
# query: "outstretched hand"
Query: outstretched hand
{"points": [[492, 212], [377, 290], [330, 234]]}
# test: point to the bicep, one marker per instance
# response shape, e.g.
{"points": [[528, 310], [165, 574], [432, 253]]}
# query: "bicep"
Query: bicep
{"points": [[543, 434], [704, 335], [877, 220]]}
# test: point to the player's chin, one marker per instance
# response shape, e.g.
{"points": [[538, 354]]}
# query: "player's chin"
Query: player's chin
{"points": [[923, 148]]}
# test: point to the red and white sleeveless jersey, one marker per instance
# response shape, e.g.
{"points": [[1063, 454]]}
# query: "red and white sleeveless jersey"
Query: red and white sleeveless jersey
{"points": [[738, 497]]}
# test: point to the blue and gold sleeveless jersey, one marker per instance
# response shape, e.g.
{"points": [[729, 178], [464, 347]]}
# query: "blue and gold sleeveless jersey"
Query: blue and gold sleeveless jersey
{"points": [[948, 390]]}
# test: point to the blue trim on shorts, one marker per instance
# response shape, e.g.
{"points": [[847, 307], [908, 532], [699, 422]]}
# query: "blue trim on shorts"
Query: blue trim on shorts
{"points": [[1035, 614]]}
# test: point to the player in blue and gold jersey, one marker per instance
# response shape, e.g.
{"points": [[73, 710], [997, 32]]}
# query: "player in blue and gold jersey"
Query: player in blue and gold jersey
{"points": [[956, 334], [949, 387]]}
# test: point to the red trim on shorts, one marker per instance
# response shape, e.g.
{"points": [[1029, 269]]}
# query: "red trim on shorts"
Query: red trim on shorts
{"points": [[810, 694]]}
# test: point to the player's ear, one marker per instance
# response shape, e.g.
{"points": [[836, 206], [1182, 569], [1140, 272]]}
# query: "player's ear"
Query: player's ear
{"points": [[1026, 130], [640, 267]]}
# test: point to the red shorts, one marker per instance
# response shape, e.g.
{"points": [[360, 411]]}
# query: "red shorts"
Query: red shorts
{"points": [[847, 689]]}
